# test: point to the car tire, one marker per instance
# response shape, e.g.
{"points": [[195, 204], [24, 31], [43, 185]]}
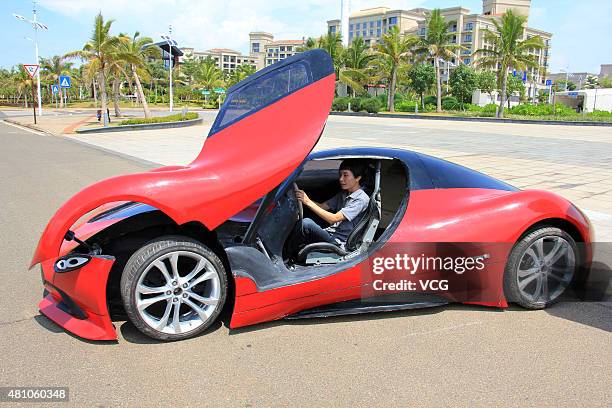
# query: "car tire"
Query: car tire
{"points": [[164, 295], [541, 265]]}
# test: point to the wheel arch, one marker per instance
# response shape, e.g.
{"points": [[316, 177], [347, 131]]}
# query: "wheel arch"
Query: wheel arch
{"points": [[125, 237]]}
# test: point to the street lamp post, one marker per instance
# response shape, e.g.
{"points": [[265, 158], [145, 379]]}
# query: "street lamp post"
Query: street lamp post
{"points": [[36, 25], [170, 42]]}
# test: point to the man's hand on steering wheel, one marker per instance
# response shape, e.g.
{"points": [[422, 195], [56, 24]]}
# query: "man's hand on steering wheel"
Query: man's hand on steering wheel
{"points": [[302, 196]]}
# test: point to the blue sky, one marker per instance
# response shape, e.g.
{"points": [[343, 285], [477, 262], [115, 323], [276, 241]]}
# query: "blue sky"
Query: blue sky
{"points": [[581, 28]]}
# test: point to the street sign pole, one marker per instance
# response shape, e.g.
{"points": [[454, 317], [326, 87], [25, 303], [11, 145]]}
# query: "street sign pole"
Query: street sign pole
{"points": [[33, 103]]}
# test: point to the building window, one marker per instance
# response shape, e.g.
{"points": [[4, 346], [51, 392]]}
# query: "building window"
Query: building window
{"points": [[378, 32], [350, 35], [255, 47], [469, 26], [378, 23], [371, 32], [453, 28], [422, 31], [468, 38], [392, 20], [364, 33], [358, 26], [332, 29], [467, 61], [350, 27], [289, 48], [371, 24]]}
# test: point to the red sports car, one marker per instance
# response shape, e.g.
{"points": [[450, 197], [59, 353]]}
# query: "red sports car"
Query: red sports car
{"points": [[172, 247]]}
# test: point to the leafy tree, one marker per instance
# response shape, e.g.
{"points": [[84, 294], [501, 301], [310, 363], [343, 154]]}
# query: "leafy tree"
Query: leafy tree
{"points": [[591, 82], [487, 82], [463, 82], [438, 45], [422, 78], [563, 85], [605, 82], [508, 50], [99, 51], [514, 84], [392, 53], [241, 72], [309, 44]]}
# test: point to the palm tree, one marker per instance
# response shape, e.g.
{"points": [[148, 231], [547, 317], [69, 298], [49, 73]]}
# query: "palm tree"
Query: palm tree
{"points": [[207, 75], [392, 54], [437, 45], [508, 50], [99, 51], [138, 50], [309, 44], [240, 73], [357, 61], [53, 68]]}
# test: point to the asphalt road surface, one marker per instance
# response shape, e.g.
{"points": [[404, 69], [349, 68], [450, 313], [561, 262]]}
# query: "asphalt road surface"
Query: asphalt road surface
{"points": [[453, 355]]}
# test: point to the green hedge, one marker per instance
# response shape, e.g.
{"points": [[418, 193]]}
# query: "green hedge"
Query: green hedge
{"points": [[340, 104], [371, 105], [160, 119], [542, 110], [405, 106]]}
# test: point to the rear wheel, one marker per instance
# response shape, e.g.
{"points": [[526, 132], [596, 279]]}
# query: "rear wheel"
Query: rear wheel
{"points": [[540, 268], [173, 288]]}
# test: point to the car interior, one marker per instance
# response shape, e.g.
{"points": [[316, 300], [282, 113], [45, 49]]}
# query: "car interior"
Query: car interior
{"points": [[385, 182]]}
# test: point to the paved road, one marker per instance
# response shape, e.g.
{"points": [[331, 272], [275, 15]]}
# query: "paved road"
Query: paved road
{"points": [[455, 355]]}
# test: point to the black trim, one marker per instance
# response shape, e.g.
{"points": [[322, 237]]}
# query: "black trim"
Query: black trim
{"points": [[66, 305]]}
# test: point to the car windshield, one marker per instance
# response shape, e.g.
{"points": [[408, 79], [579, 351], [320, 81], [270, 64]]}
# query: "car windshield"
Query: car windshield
{"points": [[261, 93]]}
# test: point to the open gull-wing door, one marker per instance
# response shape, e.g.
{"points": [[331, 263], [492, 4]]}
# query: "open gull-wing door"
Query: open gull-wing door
{"points": [[267, 126]]}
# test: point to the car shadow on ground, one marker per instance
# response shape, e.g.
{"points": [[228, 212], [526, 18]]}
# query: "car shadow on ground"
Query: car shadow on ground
{"points": [[51, 326]]}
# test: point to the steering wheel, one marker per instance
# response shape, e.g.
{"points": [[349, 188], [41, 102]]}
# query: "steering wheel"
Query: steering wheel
{"points": [[299, 204]]}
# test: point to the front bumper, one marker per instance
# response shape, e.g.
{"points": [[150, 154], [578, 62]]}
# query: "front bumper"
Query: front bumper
{"points": [[76, 300]]}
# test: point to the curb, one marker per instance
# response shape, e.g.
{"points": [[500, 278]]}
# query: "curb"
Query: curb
{"points": [[144, 126], [472, 119], [29, 126]]}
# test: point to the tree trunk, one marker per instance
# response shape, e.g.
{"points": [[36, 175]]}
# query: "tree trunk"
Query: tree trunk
{"points": [[95, 92], [145, 105], [25, 99], [391, 91], [103, 95], [116, 97], [438, 86], [500, 111]]}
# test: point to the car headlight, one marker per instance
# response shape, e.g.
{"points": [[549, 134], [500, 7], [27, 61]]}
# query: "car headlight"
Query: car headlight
{"points": [[71, 262]]}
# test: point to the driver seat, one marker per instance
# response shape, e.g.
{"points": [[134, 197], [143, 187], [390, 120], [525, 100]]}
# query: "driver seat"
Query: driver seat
{"points": [[359, 239]]}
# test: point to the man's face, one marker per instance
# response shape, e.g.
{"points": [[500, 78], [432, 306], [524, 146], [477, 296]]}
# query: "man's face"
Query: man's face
{"points": [[348, 181]]}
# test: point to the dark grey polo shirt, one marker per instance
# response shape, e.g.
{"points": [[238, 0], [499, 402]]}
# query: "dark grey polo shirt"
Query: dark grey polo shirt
{"points": [[352, 206]]}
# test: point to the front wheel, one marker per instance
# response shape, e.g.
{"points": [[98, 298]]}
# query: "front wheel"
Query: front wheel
{"points": [[173, 288], [540, 268]]}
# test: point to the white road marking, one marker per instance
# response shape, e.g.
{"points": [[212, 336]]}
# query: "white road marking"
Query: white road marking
{"points": [[24, 128]]}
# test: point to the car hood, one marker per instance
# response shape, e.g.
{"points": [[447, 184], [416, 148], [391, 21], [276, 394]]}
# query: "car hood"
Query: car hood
{"points": [[265, 129]]}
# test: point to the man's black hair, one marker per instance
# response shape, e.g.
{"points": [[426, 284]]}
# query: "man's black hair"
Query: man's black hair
{"points": [[356, 166]]}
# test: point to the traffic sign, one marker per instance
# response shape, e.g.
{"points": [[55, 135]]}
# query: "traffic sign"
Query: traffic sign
{"points": [[31, 69], [524, 76], [205, 92], [55, 88], [548, 82], [64, 81], [219, 90]]}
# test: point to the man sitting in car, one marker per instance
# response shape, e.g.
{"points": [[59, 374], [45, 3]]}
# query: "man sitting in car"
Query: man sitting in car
{"points": [[342, 212]]}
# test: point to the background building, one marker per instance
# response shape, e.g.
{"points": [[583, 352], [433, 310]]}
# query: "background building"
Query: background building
{"points": [[226, 59], [468, 29], [263, 51]]}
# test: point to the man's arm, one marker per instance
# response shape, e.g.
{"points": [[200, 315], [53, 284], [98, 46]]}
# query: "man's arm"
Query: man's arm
{"points": [[320, 209]]}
